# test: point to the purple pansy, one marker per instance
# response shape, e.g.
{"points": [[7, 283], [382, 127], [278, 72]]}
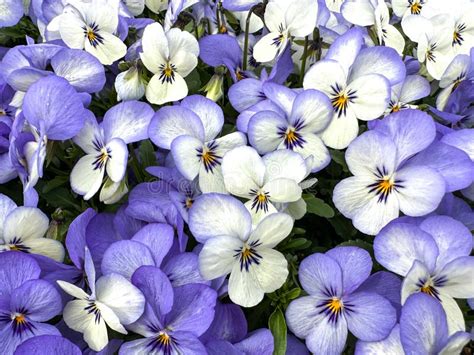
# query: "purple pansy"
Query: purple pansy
{"points": [[335, 305]]}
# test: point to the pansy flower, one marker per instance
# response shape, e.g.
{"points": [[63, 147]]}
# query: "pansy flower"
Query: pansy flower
{"points": [[113, 301], [384, 183], [190, 131], [434, 259], [224, 225], [413, 88], [48, 344], [23, 228], [284, 19], [174, 318], [263, 181], [170, 56], [294, 122], [357, 82], [422, 330], [105, 145], [92, 26], [334, 305], [368, 13], [25, 301]]}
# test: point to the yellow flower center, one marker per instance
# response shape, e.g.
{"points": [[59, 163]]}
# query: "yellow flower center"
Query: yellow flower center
{"points": [[335, 305], [415, 8]]}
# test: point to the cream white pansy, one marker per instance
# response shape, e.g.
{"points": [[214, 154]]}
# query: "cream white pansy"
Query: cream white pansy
{"points": [[224, 225], [113, 302], [285, 18], [170, 56], [92, 26]]}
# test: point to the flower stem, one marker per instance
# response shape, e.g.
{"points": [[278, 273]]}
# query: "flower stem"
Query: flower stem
{"points": [[303, 60]]}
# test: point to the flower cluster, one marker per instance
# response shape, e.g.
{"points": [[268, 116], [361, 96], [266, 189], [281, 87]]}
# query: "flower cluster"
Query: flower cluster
{"points": [[236, 177]]}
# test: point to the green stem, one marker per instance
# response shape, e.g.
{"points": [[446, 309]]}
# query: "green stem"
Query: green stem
{"points": [[303, 60], [134, 161], [246, 41]]}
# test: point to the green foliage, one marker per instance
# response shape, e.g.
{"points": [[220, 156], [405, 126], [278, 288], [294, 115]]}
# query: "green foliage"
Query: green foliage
{"points": [[277, 325]]}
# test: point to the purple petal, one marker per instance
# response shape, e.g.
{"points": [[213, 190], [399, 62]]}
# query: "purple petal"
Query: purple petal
{"points": [[320, 275], [218, 347], [385, 284], [423, 325], [229, 324], [100, 234], [364, 317], [328, 337], [389, 345], [156, 288], [52, 104], [158, 237], [126, 256], [217, 215], [355, 263], [128, 120], [259, 341], [183, 269], [15, 269], [47, 344], [452, 163], [246, 93], [209, 113], [11, 340], [170, 122], [379, 60], [125, 225], [193, 308], [39, 298], [411, 130], [214, 49], [346, 48], [83, 71], [398, 245], [76, 237], [188, 343], [280, 95], [452, 238], [282, 68]]}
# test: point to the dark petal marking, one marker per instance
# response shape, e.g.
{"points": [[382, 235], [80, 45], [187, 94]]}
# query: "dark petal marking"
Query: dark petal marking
{"points": [[91, 32], [209, 157], [163, 343], [92, 308], [167, 73], [248, 255]]}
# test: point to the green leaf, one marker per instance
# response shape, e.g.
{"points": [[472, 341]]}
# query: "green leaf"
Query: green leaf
{"points": [[147, 154], [339, 158], [56, 182], [193, 81], [61, 198], [318, 207], [277, 325], [358, 243]]}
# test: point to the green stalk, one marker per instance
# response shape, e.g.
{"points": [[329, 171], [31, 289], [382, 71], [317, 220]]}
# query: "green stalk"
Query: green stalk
{"points": [[303, 60]]}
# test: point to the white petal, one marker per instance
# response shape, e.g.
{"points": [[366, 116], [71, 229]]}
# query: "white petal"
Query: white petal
{"points": [[25, 223], [314, 148], [216, 258], [159, 92], [71, 30], [324, 75], [372, 96], [300, 17], [110, 318], [351, 194], [73, 290], [155, 47], [284, 164], [125, 300], [243, 170], [341, 130], [181, 41], [272, 230], [109, 51], [47, 247], [283, 190], [422, 191], [243, 289], [375, 215], [85, 180], [184, 63], [272, 271], [359, 12], [459, 278], [211, 181], [410, 284], [265, 50], [184, 149], [117, 163], [79, 319], [454, 315]]}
